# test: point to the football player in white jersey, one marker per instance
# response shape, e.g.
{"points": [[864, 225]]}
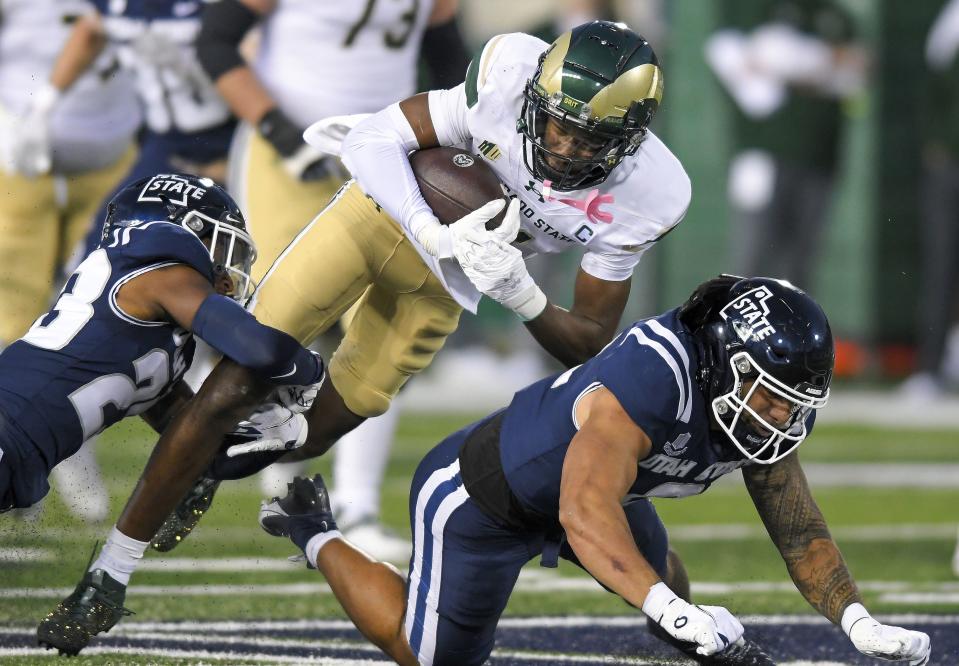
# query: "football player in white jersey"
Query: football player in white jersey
{"points": [[56, 166], [608, 186], [319, 59]]}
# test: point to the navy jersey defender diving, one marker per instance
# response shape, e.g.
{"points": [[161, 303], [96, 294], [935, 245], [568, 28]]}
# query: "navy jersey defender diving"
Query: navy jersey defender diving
{"points": [[490, 494], [88, 363]]}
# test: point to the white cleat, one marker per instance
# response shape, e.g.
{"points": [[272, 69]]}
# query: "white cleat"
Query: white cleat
{"points": [[377, 540]]}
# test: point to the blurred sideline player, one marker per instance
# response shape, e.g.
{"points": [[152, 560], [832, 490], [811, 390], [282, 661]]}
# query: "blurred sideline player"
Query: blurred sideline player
{"points": [[117, 343], [188, 126], [319, 59], [58, 165], [730, 380], [586, 175]]}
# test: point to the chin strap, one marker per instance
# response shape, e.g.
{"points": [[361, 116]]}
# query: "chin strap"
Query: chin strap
{"points": [[590, 206]]}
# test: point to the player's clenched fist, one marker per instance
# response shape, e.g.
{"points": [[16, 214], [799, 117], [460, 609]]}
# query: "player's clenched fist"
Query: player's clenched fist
{"points": [[713, 628]]}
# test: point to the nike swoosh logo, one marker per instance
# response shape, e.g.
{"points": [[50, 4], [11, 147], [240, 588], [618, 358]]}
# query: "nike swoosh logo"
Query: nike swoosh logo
{"points": [[289, 374]]}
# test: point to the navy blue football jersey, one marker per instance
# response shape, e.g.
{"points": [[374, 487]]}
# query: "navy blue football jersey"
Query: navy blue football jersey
{"points": [[156, 39], [86, 364], [650, 368]]}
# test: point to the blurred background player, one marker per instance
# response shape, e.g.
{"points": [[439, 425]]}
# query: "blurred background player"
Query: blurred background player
{"points": [[315, 60], [188, 126], [60, 158], [938, 207], [788, 65]]}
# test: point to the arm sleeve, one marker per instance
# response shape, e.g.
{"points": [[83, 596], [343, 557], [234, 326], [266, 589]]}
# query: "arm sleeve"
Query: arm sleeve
{"points": [[273, 355], [376, 153], [222, 28]]}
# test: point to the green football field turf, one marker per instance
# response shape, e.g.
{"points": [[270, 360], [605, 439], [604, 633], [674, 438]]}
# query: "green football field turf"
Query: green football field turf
{"points": [[897, 541]]}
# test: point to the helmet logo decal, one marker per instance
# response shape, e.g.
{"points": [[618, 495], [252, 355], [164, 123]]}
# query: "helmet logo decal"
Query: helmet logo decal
{"points": [[748, 315], [176, 189]]}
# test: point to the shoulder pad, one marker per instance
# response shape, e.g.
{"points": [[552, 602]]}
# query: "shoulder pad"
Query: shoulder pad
{"points": [[155, 242], [515, 48]]}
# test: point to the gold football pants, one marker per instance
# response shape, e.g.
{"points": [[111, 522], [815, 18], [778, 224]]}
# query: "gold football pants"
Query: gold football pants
{"points": [[352, 250], [42, 220], [276, 205]]}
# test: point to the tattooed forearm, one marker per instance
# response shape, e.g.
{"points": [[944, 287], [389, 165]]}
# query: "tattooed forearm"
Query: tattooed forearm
{"points": [[798, 529]]}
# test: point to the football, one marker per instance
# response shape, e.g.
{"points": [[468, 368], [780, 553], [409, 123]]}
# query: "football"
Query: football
{"points": [[455, 183]]}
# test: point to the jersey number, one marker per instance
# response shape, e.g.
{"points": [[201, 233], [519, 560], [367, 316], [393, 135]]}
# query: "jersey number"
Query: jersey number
{"points": [[74, 308], [122, 394], [393, 41]]}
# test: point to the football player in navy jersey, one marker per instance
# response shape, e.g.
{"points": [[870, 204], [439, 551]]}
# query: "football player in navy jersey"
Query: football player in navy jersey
{"points": [[729, 380], [174, 260]]}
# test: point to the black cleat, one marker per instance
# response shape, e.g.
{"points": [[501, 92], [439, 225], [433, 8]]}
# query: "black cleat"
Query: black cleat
{"points": [[303, 512], [94, 607], [742, 653], [184, 518]]}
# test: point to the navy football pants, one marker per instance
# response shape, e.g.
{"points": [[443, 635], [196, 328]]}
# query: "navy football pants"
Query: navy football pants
{"points": [[464, 564]]}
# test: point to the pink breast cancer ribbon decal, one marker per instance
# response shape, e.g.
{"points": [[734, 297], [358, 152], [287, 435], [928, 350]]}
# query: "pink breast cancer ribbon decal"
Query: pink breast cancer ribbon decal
{"points": [[590, 205]]}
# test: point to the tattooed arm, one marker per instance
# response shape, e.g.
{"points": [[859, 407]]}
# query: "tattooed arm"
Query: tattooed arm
{"points": [[797, 528]]}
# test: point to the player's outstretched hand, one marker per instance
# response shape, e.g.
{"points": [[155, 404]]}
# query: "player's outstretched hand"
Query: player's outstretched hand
{"points": [[712, 628], [271, 427], [885, 641]]}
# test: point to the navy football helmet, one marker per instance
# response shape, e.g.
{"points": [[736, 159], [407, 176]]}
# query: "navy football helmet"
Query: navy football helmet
{"points": [[198, 205], [760, 334]]}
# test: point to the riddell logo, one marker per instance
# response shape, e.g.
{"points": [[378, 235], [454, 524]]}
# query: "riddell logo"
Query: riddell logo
{"points": [[748, 315], [175, 189]]}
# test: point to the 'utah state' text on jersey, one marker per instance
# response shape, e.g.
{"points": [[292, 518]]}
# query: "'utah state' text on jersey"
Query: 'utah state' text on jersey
{"points": [[86, 364], [650, 368]]}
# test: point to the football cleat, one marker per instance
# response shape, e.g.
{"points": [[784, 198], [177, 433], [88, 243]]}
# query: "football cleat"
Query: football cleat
{"points": [[741, 653], [303, 512], [184, 518], [94, 607]]}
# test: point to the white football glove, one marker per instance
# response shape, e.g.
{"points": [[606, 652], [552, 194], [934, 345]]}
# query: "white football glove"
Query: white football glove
{"points": [[498, 269], [712, 628], [30, 152], [445, 242], [884, 641], [271, 427]]}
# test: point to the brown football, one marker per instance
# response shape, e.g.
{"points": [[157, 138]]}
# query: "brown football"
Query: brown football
{"points": [[455, 183]]}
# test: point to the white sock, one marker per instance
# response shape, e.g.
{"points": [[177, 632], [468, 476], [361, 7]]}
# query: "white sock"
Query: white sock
{"points": [[359, 464], [316, 542], [120, 556]]}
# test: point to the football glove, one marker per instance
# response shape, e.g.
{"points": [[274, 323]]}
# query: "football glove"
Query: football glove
{"points": [[712, 628], [455, 240], [300, 160], [498, 270], [884, 641], [272, 427], [30, 152], [295, 397]]}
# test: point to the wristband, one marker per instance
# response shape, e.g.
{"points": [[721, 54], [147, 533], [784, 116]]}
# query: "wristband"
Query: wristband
{"points": [[852, 615]]}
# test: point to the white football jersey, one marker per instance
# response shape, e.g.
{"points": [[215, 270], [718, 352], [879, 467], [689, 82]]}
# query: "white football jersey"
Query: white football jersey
{"points": [[93, 123], [650, 189], [319, 58]]}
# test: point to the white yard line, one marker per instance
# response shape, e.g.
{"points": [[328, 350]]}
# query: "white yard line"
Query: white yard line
{"points": [[532, 580]]}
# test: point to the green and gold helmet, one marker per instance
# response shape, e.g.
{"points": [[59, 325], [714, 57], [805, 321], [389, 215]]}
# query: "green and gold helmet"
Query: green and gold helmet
{"points": [[588, 105]]}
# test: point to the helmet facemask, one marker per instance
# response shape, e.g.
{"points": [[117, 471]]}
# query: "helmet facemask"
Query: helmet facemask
{"points": [[231, 248], [756, 438], [606, 149]]}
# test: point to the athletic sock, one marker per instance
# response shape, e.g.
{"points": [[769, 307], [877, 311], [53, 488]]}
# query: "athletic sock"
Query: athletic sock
{"points": [[120, 556], [313, 546]]}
